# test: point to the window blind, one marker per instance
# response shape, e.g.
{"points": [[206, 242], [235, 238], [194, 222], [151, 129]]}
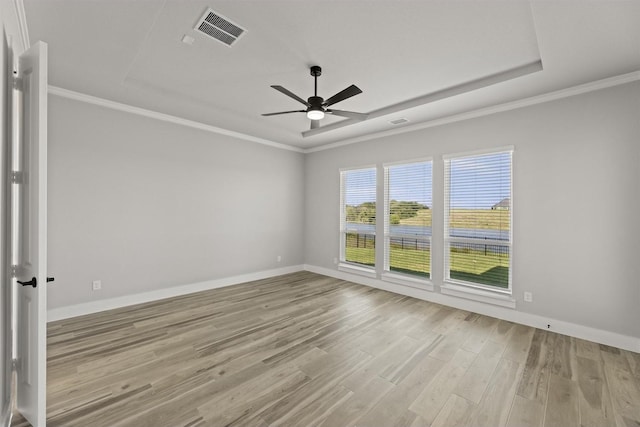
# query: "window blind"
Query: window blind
{"points": [[478, 219], [407, 227], [358, 216]]}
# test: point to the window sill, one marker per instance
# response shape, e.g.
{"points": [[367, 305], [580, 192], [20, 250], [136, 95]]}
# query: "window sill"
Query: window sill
{"points": [[356, 269], [423, 284], [495, 298]]}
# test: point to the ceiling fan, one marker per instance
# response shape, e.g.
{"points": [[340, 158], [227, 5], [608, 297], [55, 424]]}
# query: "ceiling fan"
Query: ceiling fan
{"points": [[317, 107]]}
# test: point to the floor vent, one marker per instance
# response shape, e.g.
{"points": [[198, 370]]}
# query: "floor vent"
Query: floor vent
{"points": [[219, 28]]}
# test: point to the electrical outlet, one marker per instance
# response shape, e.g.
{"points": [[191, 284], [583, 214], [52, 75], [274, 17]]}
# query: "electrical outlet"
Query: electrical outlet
{"points": [[335, 260], [528, 297], [278, 258], [96, 285]]}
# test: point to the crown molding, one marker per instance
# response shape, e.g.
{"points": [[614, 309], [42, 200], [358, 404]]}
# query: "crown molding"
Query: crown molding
{"points": [[513, 105], [77, 96]]}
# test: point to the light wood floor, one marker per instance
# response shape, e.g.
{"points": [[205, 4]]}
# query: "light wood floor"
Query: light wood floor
{"points": [[308, 350]]}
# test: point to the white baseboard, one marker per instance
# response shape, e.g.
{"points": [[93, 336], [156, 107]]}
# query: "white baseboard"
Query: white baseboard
{"points": [[123, 301], [566, 328]]}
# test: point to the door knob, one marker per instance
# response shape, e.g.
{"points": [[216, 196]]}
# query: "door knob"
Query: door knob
{"points": [[33, 282]]}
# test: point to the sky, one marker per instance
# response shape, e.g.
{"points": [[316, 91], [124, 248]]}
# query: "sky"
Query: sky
{"points": [[491, 174]]}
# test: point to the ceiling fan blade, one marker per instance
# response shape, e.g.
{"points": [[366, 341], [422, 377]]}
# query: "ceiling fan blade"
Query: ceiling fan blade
{"points": [[342, 95], [315, 124], [290, 94], [284, 112], [350, 114]]}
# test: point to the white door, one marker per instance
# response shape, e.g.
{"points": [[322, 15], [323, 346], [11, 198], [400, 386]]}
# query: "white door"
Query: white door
{"points": [[30, 186]]}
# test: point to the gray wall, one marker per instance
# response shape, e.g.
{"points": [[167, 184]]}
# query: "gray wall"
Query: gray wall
{"points": [[576, 201], [142, 204]]}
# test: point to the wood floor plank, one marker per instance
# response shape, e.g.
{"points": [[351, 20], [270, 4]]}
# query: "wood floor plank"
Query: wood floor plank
{"points": [[306, 349], [587, 349], [534, 382], [436, 392], [634, 362], [495, 405], [476, 379], [594, 398], [519, 343], [564, 357], [359, 403], [480, 329], [502, 332], [392, 409], [526, 413], [247, 410], [449, 346], [455, 412], [562, 406], [625, 395]]}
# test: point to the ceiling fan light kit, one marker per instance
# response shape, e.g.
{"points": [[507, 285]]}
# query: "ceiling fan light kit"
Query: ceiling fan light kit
{"points": [[317, 107], [315, 114]]}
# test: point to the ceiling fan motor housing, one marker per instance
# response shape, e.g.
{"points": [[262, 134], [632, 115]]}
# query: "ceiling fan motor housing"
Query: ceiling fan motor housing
{"points": [[316, 102]]}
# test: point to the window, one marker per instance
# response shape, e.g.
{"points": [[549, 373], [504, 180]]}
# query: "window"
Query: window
{"points": [[478, 220], [358, 217], [407, 219]]}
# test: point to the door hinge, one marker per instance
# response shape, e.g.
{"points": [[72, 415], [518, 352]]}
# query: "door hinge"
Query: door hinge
{"points": [[16, 364], [17, 270], [17, 83], [17, 177]]}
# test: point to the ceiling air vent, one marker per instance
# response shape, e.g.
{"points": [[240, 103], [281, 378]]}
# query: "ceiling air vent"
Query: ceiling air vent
{"points": [[399, 121], [218, 27]]}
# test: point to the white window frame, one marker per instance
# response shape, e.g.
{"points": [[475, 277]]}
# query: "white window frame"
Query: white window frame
{"points": [[387, 274], [345, 265], [477, 291]]}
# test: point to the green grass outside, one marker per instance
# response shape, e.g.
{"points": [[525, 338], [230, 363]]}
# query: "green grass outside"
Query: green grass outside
{"points": [[477, 267], [410, 261], [469, 266], [364, 256]]}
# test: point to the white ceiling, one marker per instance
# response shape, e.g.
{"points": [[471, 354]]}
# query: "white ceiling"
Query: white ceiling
{"points": [[130, 51]]}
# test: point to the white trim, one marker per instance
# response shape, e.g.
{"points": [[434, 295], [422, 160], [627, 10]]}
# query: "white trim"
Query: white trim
{"points": [[356, 269], [481, 152], [127, 300], [476, 294], [614, 339], [499, 108], [412, 161], [77, 96], [405, 280], [22, 23], [355, 168]]}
